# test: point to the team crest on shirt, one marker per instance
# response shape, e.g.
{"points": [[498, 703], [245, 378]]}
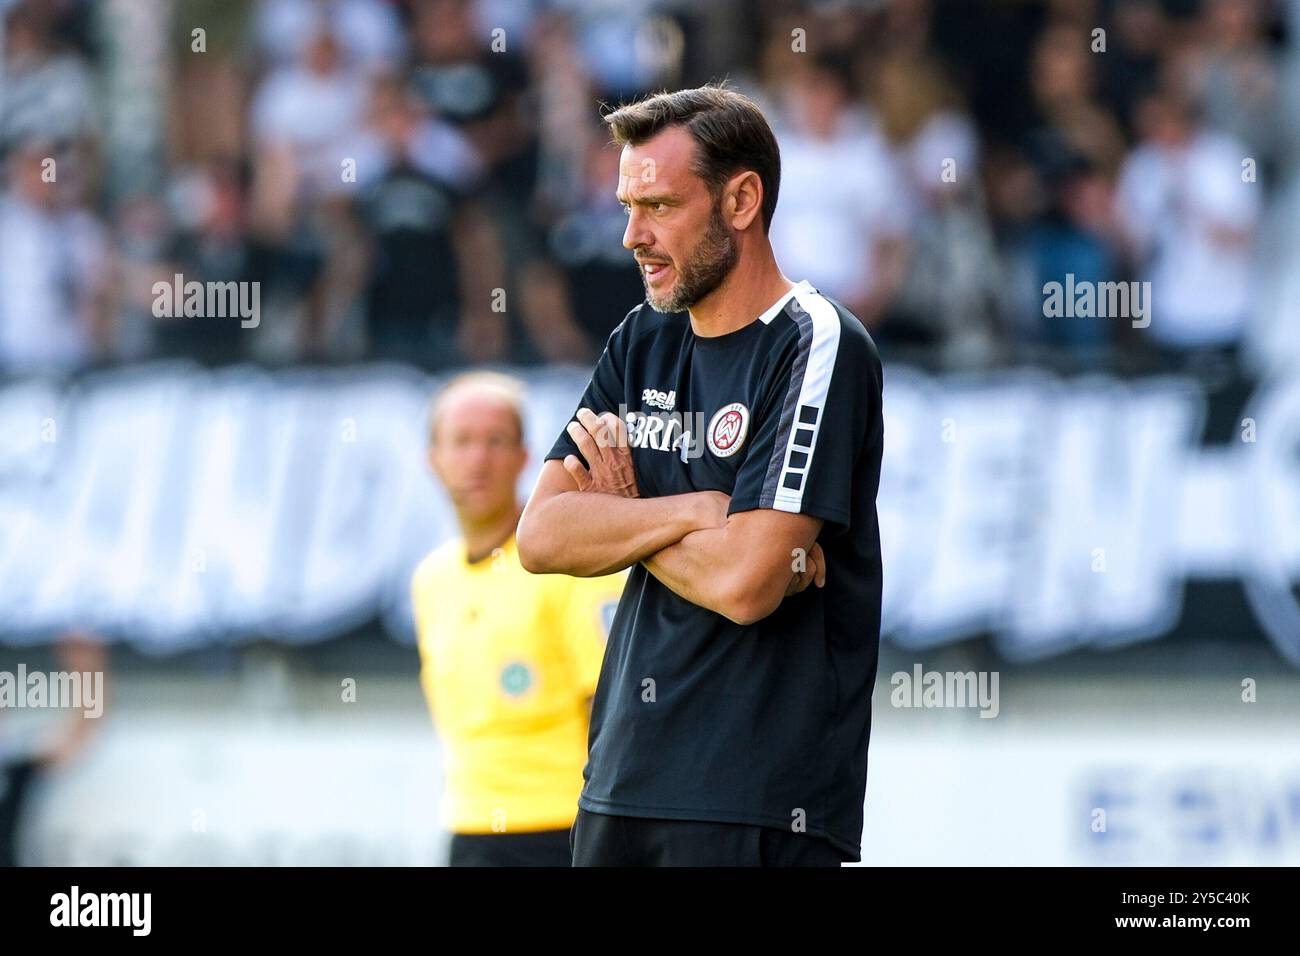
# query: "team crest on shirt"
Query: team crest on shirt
{"points": [[516, 678], [727, 429]]}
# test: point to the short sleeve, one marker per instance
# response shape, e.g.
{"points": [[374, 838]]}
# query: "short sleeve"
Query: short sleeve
{"points": [[604, 393], [820, 407], [588, 614]]}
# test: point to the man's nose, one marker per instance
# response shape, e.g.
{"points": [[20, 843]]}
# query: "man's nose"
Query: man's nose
{"points": [[636, 234], [478, 455]]}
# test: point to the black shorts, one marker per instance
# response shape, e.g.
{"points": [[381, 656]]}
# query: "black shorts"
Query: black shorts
{"points": [[601, 839], [538, 848]]}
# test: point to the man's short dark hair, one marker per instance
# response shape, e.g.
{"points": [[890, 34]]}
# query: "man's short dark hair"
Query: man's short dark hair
{"points": [[730, 133]]}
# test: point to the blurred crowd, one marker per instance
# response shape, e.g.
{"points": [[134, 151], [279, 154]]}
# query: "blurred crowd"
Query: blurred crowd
{"points": [[429, 180]]}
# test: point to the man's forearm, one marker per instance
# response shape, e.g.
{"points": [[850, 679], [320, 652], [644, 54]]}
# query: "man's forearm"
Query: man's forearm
{"points": [[587, 534], [745, 567], [697, 568]]}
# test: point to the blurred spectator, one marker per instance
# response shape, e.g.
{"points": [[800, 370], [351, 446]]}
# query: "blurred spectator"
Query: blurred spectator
{"points": [[55, 271], [304, 119], [46, 89], [842, 217], [368, 30], [1130, 67], [989, 46], [1190, 219], [469, 85], [587, 243], [436, 256], [949, 298], [481, 85], [1063, 76], [209, 244], [628, 47], [1073, 238], [307, 122], [1235, 75]]}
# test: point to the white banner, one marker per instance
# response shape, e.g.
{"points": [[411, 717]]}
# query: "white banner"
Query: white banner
{"points": [[173, 506]]}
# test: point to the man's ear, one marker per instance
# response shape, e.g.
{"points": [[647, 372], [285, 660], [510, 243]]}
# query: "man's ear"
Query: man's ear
{"points": [[743, 199]]}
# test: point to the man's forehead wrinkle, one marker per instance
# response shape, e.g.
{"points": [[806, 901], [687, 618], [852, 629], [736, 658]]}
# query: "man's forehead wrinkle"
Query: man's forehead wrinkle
{"points": [[660, 167], [636, 160], [634, 187]]}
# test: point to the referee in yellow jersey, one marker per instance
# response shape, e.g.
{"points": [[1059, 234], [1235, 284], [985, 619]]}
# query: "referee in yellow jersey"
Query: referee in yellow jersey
{"points": [[508, 660]]}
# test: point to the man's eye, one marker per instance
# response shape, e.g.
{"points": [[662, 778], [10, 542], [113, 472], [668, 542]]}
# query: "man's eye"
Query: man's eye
{"points": [[660, 207], [627, 210]]}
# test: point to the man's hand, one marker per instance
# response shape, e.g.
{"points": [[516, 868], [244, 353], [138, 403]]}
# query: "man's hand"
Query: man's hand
{"points": [[814, 569], [713, 507], [744, 569], [602, 439]]}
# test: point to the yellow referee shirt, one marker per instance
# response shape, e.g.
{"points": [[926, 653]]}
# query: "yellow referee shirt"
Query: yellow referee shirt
{"points": [[508, 661]]}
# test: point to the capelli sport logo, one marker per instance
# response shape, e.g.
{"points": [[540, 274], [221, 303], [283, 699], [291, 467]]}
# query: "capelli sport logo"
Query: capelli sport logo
{"points": [[665, 401], [727, 429]]}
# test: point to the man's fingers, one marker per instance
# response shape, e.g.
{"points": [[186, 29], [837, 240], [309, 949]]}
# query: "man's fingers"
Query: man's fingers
{"points": [[616, 429], [819, 557], [574, 467], [595, 427], [814, 571], [586, 444], [802, 578]]}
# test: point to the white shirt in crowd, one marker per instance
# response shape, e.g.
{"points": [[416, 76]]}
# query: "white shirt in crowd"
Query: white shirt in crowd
{"points": [[319, 117], [52, 264], [1172, 202], [838, 197]]}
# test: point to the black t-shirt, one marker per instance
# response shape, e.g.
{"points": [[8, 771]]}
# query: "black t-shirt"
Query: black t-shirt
{"points": [[413, 303], [768, 723]]}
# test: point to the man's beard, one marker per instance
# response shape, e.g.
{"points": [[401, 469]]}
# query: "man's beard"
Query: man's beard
{"points": [[710, 262]]}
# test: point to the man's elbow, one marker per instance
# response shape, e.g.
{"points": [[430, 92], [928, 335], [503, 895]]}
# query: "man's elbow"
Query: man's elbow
{"points": [[748, 600], [531, 545]]}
